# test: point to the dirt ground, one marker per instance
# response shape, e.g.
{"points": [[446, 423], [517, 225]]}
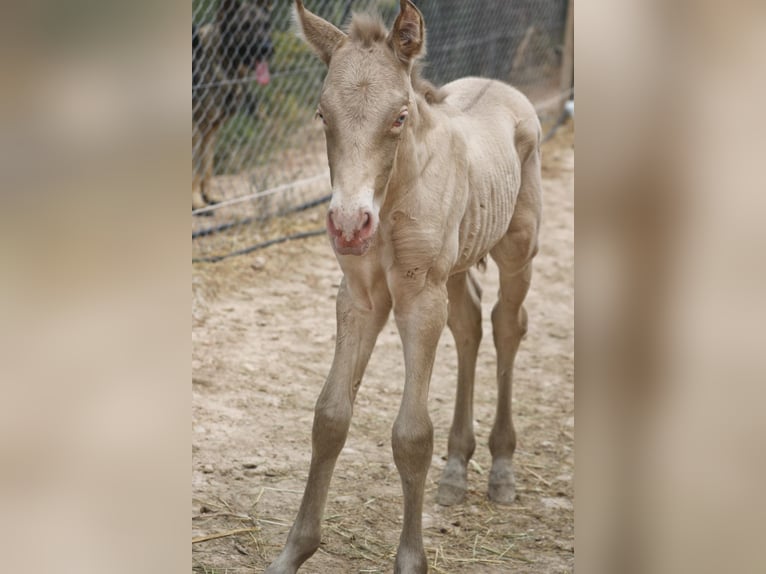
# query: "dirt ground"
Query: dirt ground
{"points": [[263, 337]]}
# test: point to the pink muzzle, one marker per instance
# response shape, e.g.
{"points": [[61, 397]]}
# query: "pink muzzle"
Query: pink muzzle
{"points": [[351, 233]]}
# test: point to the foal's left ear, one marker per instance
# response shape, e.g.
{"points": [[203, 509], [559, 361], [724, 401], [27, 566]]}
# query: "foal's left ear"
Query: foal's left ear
{"points": [[408, 36]]}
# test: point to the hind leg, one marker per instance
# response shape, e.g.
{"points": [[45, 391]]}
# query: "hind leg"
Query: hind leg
{"points": [[513, 256], [464, 320], [509, 324]]}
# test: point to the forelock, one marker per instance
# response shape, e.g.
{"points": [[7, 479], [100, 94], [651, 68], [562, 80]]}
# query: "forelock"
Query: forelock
{"points": [[367, 29]]}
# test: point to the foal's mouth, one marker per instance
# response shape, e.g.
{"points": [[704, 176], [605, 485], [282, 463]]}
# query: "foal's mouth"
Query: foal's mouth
{"points": [[353, 247]]}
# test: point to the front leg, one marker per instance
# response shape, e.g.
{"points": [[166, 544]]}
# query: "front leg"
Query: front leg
{"points": [[420, 319], [357, 331]]}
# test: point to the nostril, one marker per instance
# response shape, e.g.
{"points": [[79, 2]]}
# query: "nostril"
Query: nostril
{"points": [[367, 221]]}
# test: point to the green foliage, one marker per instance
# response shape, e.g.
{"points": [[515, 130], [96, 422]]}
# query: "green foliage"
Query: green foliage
{"points": [[203, 10]]}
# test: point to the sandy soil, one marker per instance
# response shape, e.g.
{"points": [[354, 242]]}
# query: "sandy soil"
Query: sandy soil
{"points": [[263, 330]]}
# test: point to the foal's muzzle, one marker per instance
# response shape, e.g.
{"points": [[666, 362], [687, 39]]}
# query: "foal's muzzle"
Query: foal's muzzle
{"points": [[351, 233]]}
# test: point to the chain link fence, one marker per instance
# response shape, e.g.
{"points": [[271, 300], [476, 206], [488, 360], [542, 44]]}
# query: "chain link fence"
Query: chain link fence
{"points": [[258, 156]]}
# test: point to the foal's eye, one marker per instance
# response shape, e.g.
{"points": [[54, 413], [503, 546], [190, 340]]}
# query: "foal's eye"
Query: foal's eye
{"points": [[401, 119], [320, 116]]}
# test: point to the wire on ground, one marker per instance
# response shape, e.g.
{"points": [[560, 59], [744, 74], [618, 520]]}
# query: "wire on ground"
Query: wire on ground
{"points": [[224, 226], [302, 235]]}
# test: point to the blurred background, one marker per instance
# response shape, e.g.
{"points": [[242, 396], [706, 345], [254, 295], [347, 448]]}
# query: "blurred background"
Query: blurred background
{"points": [[255, 128], [94, 447]]}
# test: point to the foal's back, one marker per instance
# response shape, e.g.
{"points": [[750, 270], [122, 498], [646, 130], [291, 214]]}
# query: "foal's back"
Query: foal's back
{"points": [[497, 120]]}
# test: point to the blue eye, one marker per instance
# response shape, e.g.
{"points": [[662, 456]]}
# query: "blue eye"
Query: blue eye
{"points": [[401, 119]]}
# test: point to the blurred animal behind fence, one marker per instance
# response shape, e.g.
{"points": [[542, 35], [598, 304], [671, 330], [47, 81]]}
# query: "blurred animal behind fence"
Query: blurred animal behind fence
{"points": [[228, 54]]}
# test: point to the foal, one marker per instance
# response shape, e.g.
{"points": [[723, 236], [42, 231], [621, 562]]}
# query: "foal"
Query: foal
{"points": [[425, 184]]}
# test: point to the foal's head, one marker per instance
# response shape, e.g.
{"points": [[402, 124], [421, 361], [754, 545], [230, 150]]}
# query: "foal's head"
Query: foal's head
{"points": [[364, 106]]}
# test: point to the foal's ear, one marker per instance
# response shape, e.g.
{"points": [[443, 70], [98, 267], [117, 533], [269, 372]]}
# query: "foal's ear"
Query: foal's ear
{"points": [[408, 36], [322, 36]]}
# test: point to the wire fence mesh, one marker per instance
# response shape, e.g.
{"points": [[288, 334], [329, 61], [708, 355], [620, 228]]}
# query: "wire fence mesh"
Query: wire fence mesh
{"points": [[258, 156]]}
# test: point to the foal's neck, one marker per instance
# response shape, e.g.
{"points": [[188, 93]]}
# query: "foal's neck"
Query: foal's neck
{"points": [[412, 155]]}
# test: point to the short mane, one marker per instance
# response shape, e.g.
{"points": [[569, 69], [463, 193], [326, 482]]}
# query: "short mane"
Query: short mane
{"points": [[433, 94], [368, 29]]}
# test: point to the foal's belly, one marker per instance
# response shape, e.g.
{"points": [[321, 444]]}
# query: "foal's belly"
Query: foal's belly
{"points": [[488, 119], [489, 208]]}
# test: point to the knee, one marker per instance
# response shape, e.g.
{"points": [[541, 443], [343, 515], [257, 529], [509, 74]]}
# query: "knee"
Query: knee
{"points": [[514, 326], [412, 442], [525, 243], [426, 311], [331, 422]]}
